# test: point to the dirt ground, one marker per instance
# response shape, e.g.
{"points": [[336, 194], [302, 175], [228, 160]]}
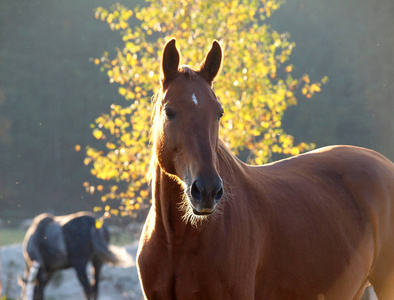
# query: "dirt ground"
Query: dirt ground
{"points": [[116, 283]]}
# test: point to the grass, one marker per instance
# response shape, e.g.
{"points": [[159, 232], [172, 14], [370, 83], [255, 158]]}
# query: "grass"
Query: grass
{"points": [[10, 236], [123, 240]]}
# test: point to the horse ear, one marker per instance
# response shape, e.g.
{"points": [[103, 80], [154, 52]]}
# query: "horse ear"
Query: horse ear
{"points": [[170, 61], [212, 62]]}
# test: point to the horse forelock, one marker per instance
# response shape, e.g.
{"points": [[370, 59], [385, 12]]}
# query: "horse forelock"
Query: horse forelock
{"points": [[184, 71], [187, 71]]}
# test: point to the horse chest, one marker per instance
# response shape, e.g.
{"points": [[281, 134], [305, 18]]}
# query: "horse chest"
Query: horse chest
{"points": [[176, 279], [191, 273], [166, 273]]}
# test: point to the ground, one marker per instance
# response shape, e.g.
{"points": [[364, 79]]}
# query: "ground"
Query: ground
{"points": [[116, 283]]}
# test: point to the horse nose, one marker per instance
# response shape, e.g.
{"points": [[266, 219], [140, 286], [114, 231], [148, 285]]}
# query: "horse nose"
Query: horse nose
{"points": [[207, 190], [196, 191]]}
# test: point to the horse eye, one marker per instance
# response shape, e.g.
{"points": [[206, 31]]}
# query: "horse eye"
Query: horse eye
{"points": [[220, 116], [170, 114]]}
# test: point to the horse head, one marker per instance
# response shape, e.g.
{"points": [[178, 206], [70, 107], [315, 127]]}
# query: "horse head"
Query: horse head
{"points": [[28, 282], [22, 281], [186, 127]]}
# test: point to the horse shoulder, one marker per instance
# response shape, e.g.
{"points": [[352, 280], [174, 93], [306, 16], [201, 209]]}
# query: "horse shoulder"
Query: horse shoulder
{"points": [[152, 256], [316, 205]]}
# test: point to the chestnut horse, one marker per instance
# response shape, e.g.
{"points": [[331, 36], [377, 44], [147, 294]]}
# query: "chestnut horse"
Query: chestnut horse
{"points": [[316, 226]]}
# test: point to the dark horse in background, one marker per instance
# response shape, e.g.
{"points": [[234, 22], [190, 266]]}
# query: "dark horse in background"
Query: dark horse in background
{"points": [[312, 227], [54, 243]]}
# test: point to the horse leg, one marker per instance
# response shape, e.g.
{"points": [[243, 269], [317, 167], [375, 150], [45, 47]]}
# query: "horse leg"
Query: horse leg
{"points": [[362, 293], [42, 279], [80, 269], [97, 263], [384, 286], [369, 294], [382, 276]]}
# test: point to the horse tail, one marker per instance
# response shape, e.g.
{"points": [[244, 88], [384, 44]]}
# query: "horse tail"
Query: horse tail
{"points": [[113, 255]]}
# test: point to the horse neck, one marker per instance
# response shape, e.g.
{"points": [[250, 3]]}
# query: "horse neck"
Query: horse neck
{"points": [[167, 195]]}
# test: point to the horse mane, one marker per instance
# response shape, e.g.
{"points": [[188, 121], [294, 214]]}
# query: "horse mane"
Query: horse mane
{"points": [[232, 162], [155, 118]]}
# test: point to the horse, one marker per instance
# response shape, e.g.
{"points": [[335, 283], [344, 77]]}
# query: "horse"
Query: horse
{"points": [[59, 242], [319, 225]]}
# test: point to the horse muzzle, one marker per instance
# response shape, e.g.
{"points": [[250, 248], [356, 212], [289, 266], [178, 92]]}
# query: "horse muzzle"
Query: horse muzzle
{"points": [[205, 194]]}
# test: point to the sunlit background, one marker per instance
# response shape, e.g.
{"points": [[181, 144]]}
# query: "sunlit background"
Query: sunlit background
{"points": [[51, 90]]}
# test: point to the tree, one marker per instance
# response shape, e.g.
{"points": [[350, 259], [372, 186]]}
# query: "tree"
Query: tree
{"points": [[255, 86], [49, 95]]}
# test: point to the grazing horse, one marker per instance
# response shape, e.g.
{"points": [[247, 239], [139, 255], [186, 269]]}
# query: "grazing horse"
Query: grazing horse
{"points": [[315, 226], [54, 243]]}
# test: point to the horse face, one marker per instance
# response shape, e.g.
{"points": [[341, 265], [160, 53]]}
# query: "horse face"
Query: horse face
{"points": [[189, 113], [22, 280], [37, 291]]}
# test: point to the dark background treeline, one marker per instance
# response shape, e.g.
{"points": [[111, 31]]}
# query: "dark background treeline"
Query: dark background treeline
{"points": [[352, 43], [51, 91]]}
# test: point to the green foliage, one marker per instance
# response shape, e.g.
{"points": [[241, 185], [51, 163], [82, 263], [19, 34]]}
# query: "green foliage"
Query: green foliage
{"points": [[255, 85], [10, 236]]}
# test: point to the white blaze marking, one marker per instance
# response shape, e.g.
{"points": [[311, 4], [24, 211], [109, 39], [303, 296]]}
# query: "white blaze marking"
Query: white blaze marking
{"points": [[194, 99]]}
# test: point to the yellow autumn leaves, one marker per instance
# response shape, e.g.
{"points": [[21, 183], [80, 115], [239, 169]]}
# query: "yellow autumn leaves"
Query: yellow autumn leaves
{"points": [[250, 88], [116, 19]]}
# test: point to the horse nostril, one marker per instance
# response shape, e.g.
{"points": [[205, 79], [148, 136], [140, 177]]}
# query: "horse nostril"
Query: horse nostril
{"points": [[196, 191], [219, 194]]}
